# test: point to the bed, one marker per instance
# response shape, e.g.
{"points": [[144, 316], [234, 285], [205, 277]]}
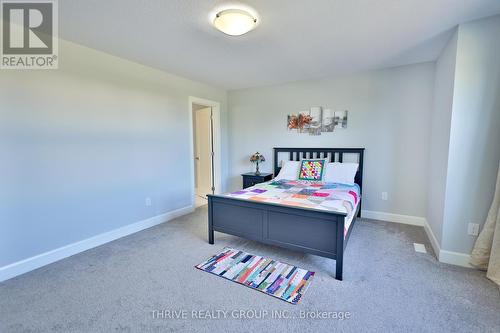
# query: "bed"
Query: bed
{"points": [[292, 224]]}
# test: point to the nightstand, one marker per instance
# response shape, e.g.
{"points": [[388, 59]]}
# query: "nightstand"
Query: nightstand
{"points": [[250, 178]]}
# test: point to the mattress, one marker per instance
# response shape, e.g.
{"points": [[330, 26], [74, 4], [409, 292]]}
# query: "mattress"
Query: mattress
{"points": [[323, 196]]}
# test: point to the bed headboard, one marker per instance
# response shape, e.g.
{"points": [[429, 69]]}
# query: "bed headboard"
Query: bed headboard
{"points": [[331, 154]]}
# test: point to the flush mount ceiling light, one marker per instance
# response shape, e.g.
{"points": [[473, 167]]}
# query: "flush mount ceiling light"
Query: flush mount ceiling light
{"points": [[234, 22]]}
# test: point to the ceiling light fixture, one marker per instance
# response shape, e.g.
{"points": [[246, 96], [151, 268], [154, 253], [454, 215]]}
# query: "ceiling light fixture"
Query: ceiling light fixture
{"points": [[234, 22]]}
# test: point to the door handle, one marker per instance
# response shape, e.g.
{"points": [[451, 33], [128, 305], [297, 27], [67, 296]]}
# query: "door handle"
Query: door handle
{"points": [[197, 158]]}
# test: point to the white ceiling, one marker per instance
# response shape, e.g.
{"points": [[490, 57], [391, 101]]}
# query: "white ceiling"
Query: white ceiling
{"points": [[295, 40]]}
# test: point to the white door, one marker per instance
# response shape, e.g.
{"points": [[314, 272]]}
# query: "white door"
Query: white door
{"points": [[203, 151]]}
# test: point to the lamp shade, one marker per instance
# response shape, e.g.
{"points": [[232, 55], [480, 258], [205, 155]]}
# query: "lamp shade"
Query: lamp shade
{"points": [[234, 22], [257, 158]]}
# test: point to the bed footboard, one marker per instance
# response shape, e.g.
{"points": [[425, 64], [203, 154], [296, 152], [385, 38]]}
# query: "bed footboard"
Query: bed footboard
{"points": [[300, 229]]}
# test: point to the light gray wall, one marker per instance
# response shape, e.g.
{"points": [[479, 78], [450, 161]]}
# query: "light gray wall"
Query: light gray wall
{"points": [[474, 150], [389, 115], [83, 146], [440, 135]]}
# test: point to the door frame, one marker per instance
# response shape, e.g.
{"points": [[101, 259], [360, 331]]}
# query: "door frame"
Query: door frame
{"points": [[216, 130]]}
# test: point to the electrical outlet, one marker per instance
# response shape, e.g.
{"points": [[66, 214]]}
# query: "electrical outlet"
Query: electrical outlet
{"points": [[148, 202], [385, 196], [473, 229]]}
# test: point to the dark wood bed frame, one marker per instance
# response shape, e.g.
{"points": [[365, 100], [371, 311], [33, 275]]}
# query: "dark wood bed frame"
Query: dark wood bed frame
{"points": [[301, 229]]}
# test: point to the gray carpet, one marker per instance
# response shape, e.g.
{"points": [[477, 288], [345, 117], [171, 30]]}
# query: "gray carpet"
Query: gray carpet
{"points": [[117, 287]]}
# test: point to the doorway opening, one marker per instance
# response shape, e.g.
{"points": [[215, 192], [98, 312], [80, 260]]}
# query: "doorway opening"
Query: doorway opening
{"points": [[205, 149]]}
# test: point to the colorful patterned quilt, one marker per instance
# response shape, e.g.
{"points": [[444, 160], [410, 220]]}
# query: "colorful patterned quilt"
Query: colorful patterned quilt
{"points": [[308, 194]]}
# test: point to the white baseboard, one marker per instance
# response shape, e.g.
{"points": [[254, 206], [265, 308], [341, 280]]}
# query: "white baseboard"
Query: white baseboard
{"points": [[444, 256], [432, 238], [29, 264], [455, 258], [397, 218]]}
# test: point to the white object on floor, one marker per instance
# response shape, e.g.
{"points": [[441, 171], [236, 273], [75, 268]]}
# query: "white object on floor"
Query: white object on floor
{"points": [[419, 248]]}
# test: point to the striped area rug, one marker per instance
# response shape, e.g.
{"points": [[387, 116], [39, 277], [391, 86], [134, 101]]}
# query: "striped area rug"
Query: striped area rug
{"points": [[283, 281]]}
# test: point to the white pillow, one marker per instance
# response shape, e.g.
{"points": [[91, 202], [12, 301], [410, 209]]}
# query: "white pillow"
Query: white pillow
{"points": [[289, 170], [343, 173]]}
